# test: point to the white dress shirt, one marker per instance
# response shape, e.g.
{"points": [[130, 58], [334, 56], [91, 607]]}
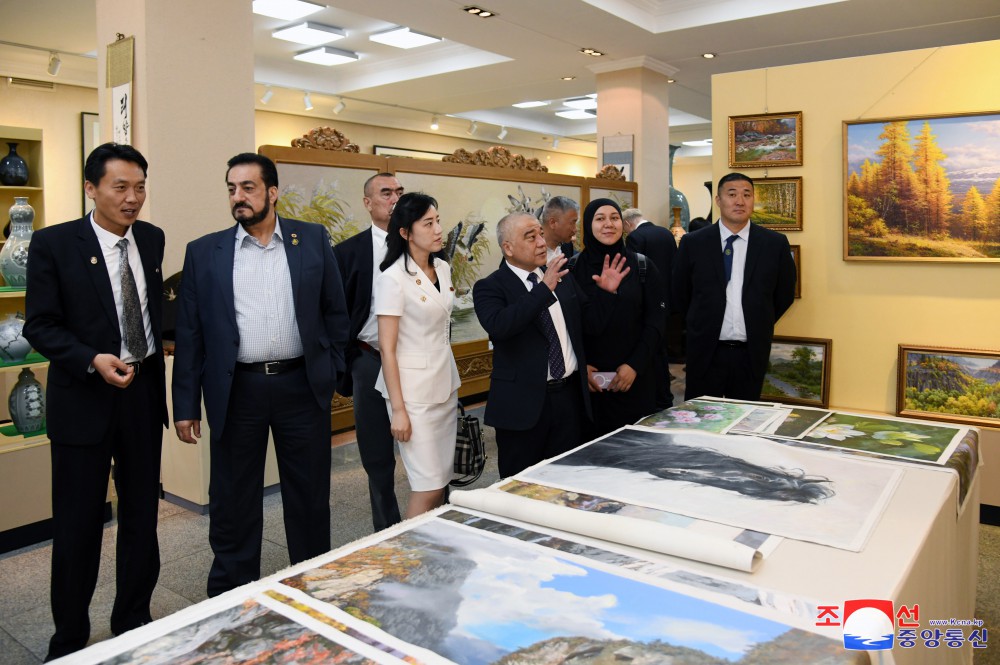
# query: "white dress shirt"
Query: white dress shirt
{"points": [[264, 301], [734, 327], [369, 331], [558, 320], [550, 254], [109, 246]]}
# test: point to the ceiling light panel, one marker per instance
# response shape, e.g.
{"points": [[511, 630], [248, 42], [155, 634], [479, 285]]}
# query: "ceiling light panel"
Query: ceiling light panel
{"points": [[403, 37], [288, 10], [576, 114], [309, 33], [327, 55], [529, 105], [581, 103]]}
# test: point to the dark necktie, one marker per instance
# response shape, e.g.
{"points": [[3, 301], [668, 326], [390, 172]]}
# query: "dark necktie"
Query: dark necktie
{"points": [[135, 333], [727, 256], [557, 366]]}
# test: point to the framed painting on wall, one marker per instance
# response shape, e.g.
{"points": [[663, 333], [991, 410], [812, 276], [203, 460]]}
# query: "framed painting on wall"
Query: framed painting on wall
{"points": [[798, 371], [797, 257], [777, 203], [953, 385], [768, 139], [924, 188]]}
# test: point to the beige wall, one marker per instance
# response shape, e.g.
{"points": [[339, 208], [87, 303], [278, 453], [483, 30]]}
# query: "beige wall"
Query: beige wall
{"points": [[690, 175], [57, 113], [867, 308], [280, 129]]}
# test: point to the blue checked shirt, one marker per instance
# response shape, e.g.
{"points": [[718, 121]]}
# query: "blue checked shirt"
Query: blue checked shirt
{"points": [[265, 307]]}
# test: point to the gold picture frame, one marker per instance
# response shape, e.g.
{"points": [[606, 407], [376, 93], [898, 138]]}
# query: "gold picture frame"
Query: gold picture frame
{"points": [[765, 140], [948, 384]]}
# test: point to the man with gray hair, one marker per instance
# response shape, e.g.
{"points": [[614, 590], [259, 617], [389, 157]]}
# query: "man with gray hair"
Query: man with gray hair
{"points": [[658, 244], [534, 316], [559, 216]]}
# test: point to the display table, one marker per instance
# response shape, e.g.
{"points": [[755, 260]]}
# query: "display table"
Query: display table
{"points": [[922, 552]]}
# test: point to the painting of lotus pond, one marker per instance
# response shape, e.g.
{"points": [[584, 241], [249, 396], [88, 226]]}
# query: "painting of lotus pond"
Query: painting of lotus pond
{"points": [[888, 436], [954, 385], [703, 415], [798, 371]]}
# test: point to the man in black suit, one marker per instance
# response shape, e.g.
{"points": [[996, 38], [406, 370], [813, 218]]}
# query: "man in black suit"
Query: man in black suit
{"points": [[261, 330], [658, 244], [733, 280], [94, 310], [538, 388], [358, 258], [559, 216]]}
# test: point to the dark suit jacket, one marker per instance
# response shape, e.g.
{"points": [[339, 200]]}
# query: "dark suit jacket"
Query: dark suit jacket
{"points": [[510, 314], [699, 290], [354, 259], [71, 318], [207, 335], [658, 244], [568, 249]]}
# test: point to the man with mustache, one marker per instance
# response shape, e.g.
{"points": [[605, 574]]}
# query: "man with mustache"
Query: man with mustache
{"points": [[261, 330], [732, 281]]}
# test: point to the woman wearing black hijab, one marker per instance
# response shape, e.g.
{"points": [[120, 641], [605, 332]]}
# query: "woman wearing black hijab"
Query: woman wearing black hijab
{"points": [[627, 342]]}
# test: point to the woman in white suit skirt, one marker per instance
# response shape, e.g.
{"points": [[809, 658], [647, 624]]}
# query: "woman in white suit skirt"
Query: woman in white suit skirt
{"points": [[419, 379]]}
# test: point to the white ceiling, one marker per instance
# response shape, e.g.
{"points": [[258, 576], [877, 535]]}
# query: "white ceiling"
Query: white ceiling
{"points": [[485, 65]]}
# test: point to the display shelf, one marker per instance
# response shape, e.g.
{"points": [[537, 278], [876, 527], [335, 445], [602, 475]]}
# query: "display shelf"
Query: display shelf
{"points": [[32, 359]]}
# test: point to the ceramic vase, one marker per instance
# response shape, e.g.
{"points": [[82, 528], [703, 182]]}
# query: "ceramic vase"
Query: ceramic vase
{"points": [[13, 346], [14, 255], [677, 200], [13, 168], [27, 403]]}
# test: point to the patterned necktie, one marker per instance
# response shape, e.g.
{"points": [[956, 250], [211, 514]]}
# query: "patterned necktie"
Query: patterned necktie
{"points": [[727, 256], [557, 365], [135, 333]]}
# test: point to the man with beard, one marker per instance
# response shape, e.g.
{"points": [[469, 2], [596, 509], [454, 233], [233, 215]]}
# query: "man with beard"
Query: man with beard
{"points": [[261, 330]]}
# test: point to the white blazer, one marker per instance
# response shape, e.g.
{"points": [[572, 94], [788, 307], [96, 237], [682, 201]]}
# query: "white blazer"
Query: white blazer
{"points": [[427, 368]]}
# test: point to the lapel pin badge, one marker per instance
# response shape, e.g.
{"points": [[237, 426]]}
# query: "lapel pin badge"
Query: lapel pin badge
{"points": [[451, 288], [295, 239], [93, 260], [423, 298]]}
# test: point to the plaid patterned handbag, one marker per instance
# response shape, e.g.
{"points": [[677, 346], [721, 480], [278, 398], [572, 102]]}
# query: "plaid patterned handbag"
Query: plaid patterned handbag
{"points": [[470, 452]]}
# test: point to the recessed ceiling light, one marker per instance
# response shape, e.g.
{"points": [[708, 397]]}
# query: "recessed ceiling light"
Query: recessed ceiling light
{"points": [[327, 55], [403, 37], [576, 114], [309, 33], [581, 103], [529, 105], [671, 80], [478, 11], [708, 56], [288, 10], [590, 51], [568, 78]]}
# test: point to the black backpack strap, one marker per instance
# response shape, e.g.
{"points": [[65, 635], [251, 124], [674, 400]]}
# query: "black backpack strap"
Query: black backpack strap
{"points": [[642, 267]]}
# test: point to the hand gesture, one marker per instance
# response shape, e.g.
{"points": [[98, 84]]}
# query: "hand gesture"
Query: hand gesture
{"points": [[113, 370], [613, 273], [554, 271], [400, 425], [188, 431], [624, 378]]}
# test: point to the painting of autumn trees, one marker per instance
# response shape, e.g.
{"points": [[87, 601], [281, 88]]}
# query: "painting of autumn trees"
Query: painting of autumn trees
{"points": [[923, 189], [777, 203], [771, 139]]}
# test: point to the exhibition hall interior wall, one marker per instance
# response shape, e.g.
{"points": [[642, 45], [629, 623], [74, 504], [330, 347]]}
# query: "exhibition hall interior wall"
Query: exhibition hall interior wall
{"points": [[869, 307]]}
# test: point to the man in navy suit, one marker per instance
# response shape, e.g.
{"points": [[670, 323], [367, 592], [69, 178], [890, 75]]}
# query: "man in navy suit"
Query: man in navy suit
{"points": [[358, 258], [538, 387], [261, 329], [658, 244], [733, 280], [94, 309]]}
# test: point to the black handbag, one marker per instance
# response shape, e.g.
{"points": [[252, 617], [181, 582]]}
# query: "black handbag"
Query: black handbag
{"points": [[470, 452]]}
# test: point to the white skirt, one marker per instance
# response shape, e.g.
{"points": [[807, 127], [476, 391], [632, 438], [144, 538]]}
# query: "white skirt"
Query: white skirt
{"points": [[429, 455]]}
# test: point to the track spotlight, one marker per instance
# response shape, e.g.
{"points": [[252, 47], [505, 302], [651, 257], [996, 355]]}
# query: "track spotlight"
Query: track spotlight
{"points": [[54, 64], [555, 143], [473, 126], [434, 123], [266, 97], [503, 133], [307, 102], [339, 107]]}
